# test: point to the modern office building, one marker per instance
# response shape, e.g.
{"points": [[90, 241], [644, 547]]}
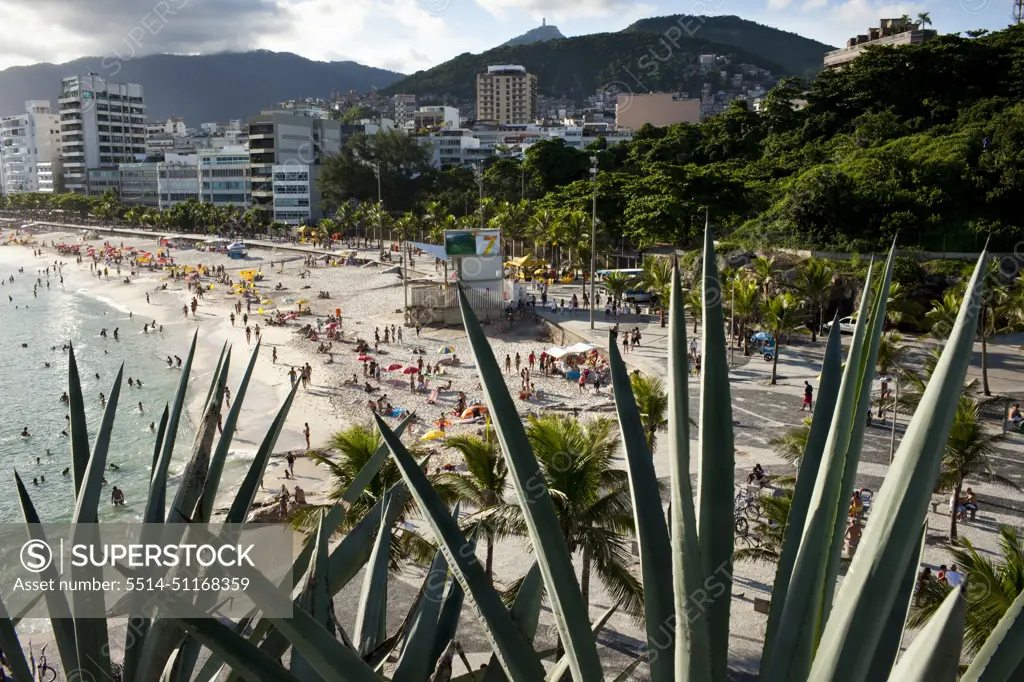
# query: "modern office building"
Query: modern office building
{"points": [[282, 138], [26, 141], [296, 197], [140, 185], [102, 124], [224, 177], [656, 109], [178, 179], [506, 93], [890, 32]]}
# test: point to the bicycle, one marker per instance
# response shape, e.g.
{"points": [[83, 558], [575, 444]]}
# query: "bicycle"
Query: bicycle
{"points": [[747, 505]]}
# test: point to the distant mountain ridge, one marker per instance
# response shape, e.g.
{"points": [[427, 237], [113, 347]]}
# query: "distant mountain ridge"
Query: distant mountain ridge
{"points": [[537, 35], [650, 54], [201, 88]]}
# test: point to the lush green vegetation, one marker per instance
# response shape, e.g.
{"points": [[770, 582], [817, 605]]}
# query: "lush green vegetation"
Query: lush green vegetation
{"points": [[926, 141]]}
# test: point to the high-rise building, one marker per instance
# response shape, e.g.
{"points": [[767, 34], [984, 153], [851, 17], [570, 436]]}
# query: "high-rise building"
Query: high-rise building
{"points": [[27, 140], [102, 124], [506, 94], [282, 138], [404, 106], [224, 177]]}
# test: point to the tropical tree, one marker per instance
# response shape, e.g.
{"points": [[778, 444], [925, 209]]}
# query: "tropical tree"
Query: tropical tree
{"points": [[780, 317], [967, 454], [762, 269], [544, 229], [792, 443], [694, 305], [592, 501], [901, 307], [483, 484], [942, 315], [656, 279], [769, 529], [890, 352], [995, 582], [652, 403], [745, 298], [575, 236], [815, 283], [924, 19], [616, 284]]}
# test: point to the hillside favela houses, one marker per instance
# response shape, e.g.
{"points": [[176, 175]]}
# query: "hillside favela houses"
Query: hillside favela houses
{"points": [[890, 32], [657, 109]]}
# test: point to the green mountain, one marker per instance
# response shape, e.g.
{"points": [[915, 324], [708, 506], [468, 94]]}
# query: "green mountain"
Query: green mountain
{"points": [[537, 35], [659, 53], [799, 56], [577, 67]]}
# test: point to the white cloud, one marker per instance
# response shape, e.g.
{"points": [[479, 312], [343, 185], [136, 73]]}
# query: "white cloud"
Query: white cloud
{"points": [[555, 10], [814, 4], [778, 4]]}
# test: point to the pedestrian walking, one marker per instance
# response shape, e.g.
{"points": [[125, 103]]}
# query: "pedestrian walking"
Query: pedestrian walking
{"points": [[808, 397], [291, 458], [305, 432]]}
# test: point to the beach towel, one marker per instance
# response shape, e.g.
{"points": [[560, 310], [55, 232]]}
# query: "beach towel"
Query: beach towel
{"points": [[432, 400]]}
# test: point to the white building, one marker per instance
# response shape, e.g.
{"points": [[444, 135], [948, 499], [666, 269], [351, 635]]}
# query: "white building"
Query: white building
{"points": [[463, 147], [296, 197], [28, 140], [101, 125], [50, 175], [224, 177], [175, 125], [178, 179], [433, 117]]}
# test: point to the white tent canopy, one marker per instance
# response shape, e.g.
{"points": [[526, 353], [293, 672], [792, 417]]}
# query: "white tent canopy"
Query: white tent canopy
{"points": [[556, 352], [580, 348]]}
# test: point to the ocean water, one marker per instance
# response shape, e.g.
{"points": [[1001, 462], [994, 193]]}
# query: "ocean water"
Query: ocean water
{"points": [[31, 392]]}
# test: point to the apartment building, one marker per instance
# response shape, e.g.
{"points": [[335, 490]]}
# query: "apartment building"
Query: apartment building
{"points": [[50, 175], [224, 177], [890, 32], [282, 138], [506, 93], [175, 125], [27, 141], [139, 182], [404, 107], [657, 109], [296, 196], [426, 118], [102, 124]]}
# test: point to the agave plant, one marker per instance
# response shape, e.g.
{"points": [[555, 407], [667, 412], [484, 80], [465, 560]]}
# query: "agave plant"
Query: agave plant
{"points": [[812, 633]]}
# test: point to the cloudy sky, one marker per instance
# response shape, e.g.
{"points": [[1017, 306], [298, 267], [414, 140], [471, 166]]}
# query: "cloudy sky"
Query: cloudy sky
{"points": [[406, 35]]}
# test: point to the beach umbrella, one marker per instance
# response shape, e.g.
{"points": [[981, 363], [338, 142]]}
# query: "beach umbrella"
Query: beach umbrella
{"points": [[267, 301], [446, 350], [364, 358], [288, 300], [393, 366], [761, 336], [433, 434], [410, 370], [303, 301], [291, 317], [332, 325]]}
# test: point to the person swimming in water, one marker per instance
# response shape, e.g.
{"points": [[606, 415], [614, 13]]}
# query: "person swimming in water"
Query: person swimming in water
{"points": [[141, 411], [66, 471], [64, 398], [25, 433], [117, 497]]}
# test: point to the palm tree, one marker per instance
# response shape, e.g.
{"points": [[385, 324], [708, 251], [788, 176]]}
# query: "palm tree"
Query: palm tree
{"points": [[483, 484], [745, 299], [890, 352], [575, 236], [544, 225], [994, 584], [901, 308], [652, 403], [694, 305], [656, 279], [763, 271], [592, 501], [924, 19], [791, 443], [815, 282], [943, 314], [617, 283], [781, 316], [770, 529], [967, 454]]}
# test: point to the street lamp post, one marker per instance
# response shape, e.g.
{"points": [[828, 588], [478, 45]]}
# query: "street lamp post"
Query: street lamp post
{"points": [[380, 203], [478, 171], [593, 240]]}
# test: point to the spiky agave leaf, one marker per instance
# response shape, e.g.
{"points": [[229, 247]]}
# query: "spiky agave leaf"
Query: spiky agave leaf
{"points": [[692, 655], [561, 667], [848, 643], [525, 613], [716, 465], [416, 660], [315, 599], [514, 654], [800, 622], [371, 618], [649, 518], [1001, 658], [11, 646], [824, 408], [556, 567], [935, 652]]}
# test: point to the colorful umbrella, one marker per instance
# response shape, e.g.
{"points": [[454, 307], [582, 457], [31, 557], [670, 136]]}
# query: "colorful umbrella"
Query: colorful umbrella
{"points": [[303, 301], [364, 358], [446, 350], [288, 300], [291, 317], [393, 366], [332, 325], [433, 434], [409, 370]]}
